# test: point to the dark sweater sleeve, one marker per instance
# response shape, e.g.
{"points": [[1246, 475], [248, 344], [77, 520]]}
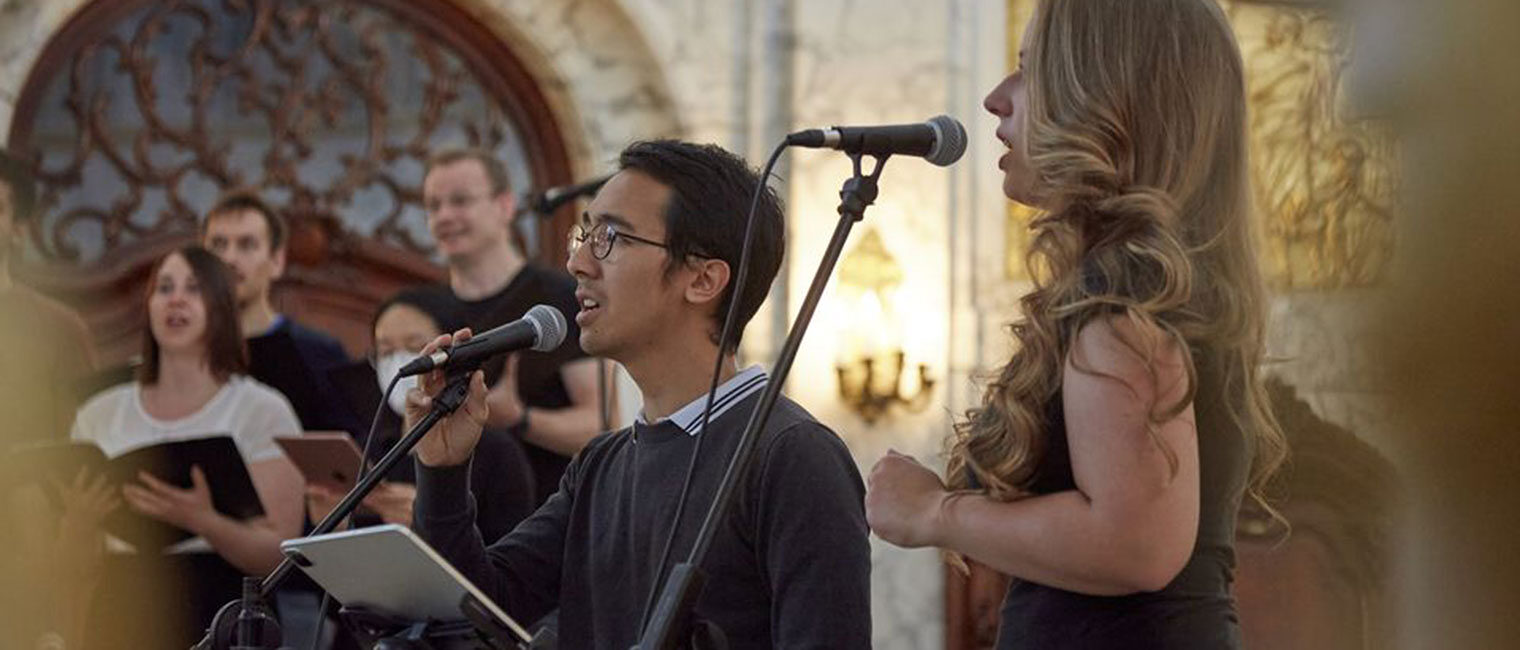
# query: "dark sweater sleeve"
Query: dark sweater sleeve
{"points": [[502, 481], [813, 540], [521, 571]]}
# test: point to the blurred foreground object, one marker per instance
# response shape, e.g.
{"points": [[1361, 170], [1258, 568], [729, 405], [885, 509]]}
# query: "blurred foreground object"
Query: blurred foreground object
{"points": [[1445, 74]]}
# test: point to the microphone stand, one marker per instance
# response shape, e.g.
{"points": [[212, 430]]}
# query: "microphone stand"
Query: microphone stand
{"points": [[670, 627], [447, 401]]}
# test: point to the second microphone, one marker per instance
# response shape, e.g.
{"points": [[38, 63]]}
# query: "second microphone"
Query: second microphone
{"points": [[542, 329]]}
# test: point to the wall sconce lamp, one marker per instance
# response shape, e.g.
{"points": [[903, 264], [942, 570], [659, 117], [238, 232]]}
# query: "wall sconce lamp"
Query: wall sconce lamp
{"points": [[871, 361]]}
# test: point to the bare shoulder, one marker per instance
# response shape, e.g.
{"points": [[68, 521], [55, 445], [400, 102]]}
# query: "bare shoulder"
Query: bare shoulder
{"points": [[1139, 353]]}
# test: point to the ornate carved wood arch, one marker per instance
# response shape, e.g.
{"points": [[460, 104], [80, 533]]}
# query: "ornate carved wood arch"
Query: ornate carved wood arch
{"points": [[139, 113]]}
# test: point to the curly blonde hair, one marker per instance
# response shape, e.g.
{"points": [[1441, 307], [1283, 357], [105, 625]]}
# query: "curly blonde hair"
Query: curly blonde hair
{"points": [[1137, 136]]}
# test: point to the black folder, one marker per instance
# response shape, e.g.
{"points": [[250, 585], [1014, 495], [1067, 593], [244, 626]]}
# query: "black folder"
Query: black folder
{"points": [[232, 491]]}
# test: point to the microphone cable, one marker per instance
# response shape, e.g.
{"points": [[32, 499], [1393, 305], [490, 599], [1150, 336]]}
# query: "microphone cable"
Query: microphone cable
{"points": [[374, 425], [712, 392]]}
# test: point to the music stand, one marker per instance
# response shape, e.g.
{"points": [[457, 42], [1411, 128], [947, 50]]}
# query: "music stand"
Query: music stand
{"points": [[418, 601]]}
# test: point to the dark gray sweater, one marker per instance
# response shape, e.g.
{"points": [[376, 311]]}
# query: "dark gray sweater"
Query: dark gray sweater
{"points": [[789, 569]]}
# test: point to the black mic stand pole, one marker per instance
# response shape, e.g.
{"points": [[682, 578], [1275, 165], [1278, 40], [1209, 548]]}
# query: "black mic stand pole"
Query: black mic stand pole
{"points": [[670, 626], [447, 401]]}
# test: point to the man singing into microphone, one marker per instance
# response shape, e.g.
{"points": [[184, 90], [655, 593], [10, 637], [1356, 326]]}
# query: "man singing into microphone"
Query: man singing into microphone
{"points": [[654, 257]]}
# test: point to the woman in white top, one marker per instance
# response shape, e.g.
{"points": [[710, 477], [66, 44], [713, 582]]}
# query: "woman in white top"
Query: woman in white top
{"points": [[190, 385]]}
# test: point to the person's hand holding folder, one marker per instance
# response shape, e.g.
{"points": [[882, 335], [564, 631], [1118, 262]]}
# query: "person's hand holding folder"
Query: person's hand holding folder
{"points": [[86, 501], [173, 490], [187, 509], [85, 504], [391, 501]]}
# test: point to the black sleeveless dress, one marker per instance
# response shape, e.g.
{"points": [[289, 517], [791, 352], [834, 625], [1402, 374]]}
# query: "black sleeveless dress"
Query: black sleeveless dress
{"points": [[1196, 610]]}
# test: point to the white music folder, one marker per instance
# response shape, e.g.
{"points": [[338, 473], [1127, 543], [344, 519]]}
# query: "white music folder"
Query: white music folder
{"points": [[389, 570]]}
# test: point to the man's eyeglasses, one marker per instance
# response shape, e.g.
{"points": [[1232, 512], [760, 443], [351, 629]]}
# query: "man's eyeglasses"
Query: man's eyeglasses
{"points": [[602, 236], [457, 201]]}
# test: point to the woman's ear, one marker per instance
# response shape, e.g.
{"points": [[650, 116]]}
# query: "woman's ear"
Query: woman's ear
{"points": [[709, 278]]}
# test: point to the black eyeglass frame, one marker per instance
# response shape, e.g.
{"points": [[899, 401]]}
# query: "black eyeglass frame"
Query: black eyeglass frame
{"points": [[579, 234]]}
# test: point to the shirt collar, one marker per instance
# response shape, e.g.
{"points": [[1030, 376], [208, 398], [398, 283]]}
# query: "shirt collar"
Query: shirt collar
{"points": [[731, 392], [274, 325]]}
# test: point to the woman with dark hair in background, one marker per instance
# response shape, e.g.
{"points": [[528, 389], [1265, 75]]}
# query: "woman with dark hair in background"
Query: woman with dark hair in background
{"points": [[500, 477], [1108, 459], [190, 385]]}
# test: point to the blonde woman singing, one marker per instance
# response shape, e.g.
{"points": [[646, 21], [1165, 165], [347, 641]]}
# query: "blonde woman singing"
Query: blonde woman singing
{"points": [[1107, 461]]}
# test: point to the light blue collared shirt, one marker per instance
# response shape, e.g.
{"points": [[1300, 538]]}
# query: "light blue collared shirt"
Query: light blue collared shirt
{"points": [[748, 382]]}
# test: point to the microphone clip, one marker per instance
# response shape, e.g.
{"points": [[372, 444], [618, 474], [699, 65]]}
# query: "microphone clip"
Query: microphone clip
{"points": [[860, 191]]}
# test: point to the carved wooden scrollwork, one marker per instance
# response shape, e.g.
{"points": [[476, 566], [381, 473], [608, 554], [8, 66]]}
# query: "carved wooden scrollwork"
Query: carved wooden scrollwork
{"points": [[141, 113]]}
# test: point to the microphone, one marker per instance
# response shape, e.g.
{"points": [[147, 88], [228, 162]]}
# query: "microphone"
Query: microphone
{"points": [[941, 140], [546, 202], [542, 329]]}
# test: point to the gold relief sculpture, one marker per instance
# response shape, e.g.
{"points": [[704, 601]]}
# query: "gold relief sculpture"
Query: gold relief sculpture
{"points": [[1323, 184]]}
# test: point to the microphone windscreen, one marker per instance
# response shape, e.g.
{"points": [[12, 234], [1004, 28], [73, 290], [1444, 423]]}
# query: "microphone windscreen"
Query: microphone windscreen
{"points": [[951, 143], [550, 325]]}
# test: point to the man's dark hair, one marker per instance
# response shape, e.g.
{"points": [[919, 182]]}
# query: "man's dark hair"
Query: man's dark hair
{"points": [[15, 173], [496, 172], [246, 201], [226, 353], [711, 192]]}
